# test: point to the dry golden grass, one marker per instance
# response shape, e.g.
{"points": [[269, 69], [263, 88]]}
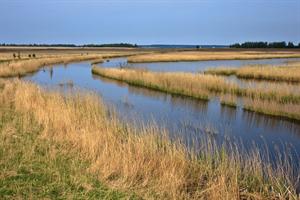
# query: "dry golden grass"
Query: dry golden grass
{"points": [[288, 73], [22, 67], [291, 74], [144, 160], [17, 66], [289, 111], [202, 55], [11, 54], [226, 71], [198, 85], [188, 84]]}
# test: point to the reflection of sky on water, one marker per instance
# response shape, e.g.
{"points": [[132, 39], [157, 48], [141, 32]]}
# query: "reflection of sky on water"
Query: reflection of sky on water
{"points": [[186, 118]]}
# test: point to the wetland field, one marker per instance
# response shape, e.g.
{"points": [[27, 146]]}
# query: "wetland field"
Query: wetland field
{"points": [[149, 123]]}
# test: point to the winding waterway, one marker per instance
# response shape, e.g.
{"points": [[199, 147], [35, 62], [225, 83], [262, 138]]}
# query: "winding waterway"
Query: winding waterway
{"points": [[196, 66], [185, 118]]}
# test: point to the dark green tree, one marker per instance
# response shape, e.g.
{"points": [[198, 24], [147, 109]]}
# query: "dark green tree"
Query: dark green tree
{"points": [[290, 45]]}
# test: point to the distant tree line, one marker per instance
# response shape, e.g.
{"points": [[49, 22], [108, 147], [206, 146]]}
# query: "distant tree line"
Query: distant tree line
{"points": [[111, 45], [71, 45], [265, 45]]}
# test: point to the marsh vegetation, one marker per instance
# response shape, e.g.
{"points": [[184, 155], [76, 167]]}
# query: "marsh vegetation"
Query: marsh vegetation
{"points": [[77, 146], [287, 73], [119, 155], [204, 87], [11, 67]]}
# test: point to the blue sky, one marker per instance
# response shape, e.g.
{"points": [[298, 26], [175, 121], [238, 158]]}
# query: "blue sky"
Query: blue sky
{"points": [[149, 22]]}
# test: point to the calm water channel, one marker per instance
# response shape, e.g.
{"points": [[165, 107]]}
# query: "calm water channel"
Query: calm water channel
{"points": [[191, 120]]}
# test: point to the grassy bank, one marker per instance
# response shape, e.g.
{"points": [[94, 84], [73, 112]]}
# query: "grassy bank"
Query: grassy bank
{"points": [[65, 146], [288, 73], [217, 55], [22, 67], [97, 61], [204, 87], [33, 167]]}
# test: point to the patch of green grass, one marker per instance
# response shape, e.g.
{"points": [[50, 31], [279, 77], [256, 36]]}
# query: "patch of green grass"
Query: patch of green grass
{"points": [[36, 168]]}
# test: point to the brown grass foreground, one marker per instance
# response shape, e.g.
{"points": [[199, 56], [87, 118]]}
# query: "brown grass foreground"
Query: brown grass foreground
{"points": [[218, 55], [22, 67], [144, 160], [288, 73]]}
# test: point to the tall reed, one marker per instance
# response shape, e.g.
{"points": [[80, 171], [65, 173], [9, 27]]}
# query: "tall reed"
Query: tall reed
{"points": [[194, 85]]}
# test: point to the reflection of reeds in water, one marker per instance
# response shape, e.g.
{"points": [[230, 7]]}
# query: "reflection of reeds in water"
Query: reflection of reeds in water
{"points": [[68, 83], [141, 160], [229, 112], [199, 106], [199, 86], [126, 102], [290, 111]]}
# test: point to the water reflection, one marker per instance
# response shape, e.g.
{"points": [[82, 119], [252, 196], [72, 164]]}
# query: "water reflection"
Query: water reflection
{"points": [[230, 112], [198, 106], [185, 118], [260, 120], [195, 66], [51, 72]]}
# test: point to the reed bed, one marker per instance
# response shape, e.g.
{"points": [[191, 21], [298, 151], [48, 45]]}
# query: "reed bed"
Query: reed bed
{"points": [[284, 88], [205, 87], [195, 85], [22, 67], [288, 111], [288, 73], [202, 55], [225, 71], [144, 160], [229, 100]]}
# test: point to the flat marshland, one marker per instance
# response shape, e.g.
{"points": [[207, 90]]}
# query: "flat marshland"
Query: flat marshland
{"points": [[55, 145], [71, 145], [203, 55], [22, 67], [19, 62], [204, 87]]}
